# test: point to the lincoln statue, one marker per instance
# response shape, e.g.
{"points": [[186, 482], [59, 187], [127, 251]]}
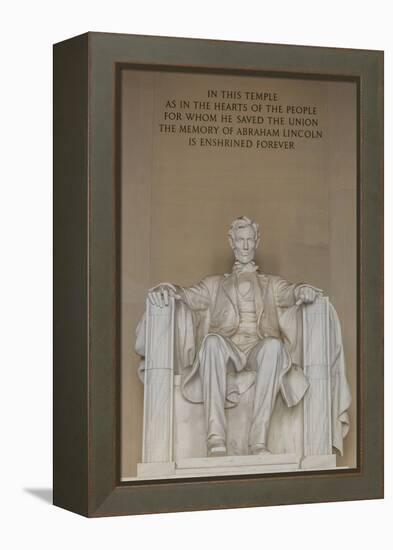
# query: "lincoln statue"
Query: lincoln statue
{"points": [[242, 340]]}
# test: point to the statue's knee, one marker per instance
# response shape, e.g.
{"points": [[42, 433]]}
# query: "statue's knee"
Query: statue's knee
{"points": [[212, 343], [273, 344], [271, 348]]}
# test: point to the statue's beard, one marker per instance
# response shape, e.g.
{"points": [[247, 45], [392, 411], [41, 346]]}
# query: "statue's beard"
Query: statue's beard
{"points": [[244, 258]]}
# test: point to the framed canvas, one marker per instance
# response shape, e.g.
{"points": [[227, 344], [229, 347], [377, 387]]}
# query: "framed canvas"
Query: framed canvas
{"points": [[218, 274]]}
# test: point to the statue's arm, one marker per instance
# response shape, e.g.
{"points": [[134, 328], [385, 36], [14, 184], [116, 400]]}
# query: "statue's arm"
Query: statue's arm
{"points": [[289, 294], [196, 297]]}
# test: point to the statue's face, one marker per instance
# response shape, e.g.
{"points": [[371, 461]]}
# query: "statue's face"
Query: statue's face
{"points": [[244, 244]]}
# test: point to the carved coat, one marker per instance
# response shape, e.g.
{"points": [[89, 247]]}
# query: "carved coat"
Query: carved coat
{"points": [[216, 294], [214, 301]]}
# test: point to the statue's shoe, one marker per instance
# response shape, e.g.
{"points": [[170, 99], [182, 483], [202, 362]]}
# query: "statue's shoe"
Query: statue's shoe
{"points": [[260, 450], [216, 447], [218, 451]]}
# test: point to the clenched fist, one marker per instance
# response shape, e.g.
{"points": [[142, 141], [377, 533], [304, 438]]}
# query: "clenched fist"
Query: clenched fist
{"points": [[306, 294]]}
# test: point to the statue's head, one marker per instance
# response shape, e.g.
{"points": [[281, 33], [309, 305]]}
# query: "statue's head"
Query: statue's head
{"points": [[244, 239]]}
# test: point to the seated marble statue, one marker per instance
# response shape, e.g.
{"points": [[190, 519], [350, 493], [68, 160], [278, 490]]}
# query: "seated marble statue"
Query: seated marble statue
{"points": [[240, 335]]}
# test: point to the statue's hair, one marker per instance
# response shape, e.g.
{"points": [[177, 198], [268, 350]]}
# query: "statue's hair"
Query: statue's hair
{"points": [[241, 222]]}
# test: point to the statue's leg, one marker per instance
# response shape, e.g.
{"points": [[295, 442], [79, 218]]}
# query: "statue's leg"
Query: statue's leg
{"points": [[214, 356], [268, 360]]}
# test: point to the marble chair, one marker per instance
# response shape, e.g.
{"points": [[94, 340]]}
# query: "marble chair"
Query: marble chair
{"points": [[301, 437]]}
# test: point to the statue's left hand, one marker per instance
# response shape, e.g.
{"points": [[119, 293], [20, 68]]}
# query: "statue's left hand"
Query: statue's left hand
{"points": [[306, 294]]}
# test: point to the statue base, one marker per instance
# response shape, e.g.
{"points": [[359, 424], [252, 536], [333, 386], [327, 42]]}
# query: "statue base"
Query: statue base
{"points": [[234, 465]]}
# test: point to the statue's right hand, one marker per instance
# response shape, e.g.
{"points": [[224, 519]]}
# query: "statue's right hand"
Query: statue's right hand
{"points": [[159, 295]]}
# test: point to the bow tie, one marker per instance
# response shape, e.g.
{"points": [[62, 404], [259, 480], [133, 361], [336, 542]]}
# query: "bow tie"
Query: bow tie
{"points": [[238, 267]]}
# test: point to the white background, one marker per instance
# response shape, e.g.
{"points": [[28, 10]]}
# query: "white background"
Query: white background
{"points": [[28, 30]]}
